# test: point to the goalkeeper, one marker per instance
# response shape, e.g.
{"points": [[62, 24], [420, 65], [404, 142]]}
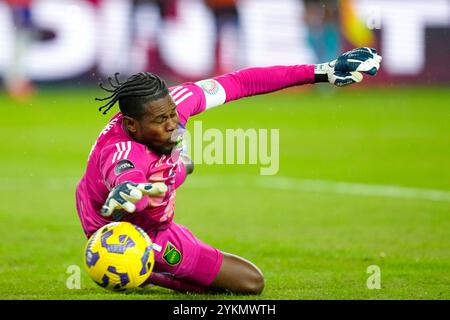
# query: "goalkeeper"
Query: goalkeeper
{"points": [[136, 164]]}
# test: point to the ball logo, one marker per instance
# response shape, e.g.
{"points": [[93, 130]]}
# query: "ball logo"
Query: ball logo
{"points": [[125, 242]]}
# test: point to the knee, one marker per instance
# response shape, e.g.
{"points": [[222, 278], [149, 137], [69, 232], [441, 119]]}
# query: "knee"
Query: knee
{"points": [[254, 283], [238, 276]]}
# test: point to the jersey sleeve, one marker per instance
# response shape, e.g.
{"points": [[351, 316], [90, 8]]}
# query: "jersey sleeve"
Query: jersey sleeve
{"points": [[253, 81], [189, 100], [260, 80], [193, 98], [123, 161]]}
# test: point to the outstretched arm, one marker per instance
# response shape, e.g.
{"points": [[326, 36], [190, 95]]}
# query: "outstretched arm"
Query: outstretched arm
{"points": [[344, 70], [255, 81], [193, 98]]}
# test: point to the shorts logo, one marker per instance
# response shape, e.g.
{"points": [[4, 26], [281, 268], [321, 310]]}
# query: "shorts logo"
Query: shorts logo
{"points": [[171, 254], [123, 165]]}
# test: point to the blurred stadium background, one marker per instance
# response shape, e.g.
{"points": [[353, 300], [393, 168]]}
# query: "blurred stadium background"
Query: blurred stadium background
{"points": [[364, 173]]}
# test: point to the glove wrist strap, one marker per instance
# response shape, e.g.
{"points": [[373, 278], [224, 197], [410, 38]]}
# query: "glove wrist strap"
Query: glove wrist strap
{"points": [[321, 72]]}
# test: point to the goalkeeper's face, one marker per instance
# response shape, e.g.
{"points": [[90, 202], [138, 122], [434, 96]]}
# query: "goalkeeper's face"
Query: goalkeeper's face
{"points": [[156, 127]]}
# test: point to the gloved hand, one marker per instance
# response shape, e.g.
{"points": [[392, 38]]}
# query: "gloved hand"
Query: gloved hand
{"points": [[125, 195], [347, 68]]}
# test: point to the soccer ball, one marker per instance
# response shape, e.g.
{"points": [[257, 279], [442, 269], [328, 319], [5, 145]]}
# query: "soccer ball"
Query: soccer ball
{"points": [[119, 256]]}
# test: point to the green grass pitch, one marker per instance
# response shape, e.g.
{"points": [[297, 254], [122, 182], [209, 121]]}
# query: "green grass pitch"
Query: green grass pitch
{"points": [[311, 243]]}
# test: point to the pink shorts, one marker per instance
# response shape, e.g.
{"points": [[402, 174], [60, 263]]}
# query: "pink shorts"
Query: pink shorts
{"points": [[184, 256]]}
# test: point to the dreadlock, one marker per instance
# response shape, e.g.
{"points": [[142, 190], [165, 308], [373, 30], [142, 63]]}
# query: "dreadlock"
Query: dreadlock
{"points": [[134, 93]]}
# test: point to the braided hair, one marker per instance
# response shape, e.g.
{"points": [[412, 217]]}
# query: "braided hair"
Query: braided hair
{"points": [[134, 93]]}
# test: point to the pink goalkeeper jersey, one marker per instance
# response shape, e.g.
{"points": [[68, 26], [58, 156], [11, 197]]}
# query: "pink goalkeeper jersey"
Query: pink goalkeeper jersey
{"points": [[116, 158]]}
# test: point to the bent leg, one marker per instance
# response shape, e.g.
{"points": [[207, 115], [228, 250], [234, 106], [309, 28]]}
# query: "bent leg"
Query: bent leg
{"points": [[186, 264], [238, 275]]}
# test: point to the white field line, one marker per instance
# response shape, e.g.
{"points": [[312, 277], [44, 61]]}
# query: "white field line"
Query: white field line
{"points": [[359, 189], [322, 186], [273, 183]]}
